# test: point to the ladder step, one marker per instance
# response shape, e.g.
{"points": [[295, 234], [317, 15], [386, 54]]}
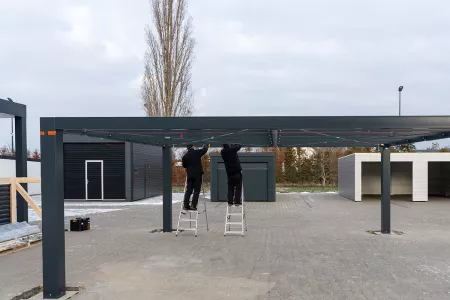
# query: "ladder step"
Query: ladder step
{"points": [[235, 214], [185, 229], [188, 220], [234, 232], [234, 223]]}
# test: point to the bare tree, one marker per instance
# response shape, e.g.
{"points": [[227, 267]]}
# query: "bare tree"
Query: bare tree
{"points": [[166, 85], [326, 164]]}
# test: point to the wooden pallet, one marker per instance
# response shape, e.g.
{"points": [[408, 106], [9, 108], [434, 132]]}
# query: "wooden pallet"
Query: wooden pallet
{"points": [[20, 243]]}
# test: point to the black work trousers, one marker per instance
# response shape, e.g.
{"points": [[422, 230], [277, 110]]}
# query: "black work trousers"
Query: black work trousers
{"points": [[194, 184], [234, 188]]}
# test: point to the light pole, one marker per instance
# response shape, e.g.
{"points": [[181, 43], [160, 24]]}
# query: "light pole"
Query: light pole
{"points": [[400, 89], [12, 130]]}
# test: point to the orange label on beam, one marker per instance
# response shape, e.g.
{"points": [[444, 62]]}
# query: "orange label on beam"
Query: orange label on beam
{"points": [[42, 133], [52, 132]]}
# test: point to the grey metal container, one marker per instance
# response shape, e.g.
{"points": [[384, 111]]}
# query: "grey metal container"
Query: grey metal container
{"points": [[115, 170], [258, 169]]}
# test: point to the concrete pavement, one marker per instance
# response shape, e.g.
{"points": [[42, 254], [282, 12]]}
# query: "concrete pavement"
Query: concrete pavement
{"points": [[309, 246]]}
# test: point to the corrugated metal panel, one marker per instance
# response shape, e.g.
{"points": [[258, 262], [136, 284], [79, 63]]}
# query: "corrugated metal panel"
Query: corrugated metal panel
{"points": [[128, 171], [113, 156], [346, 177], [5, 216], [147, 171]]}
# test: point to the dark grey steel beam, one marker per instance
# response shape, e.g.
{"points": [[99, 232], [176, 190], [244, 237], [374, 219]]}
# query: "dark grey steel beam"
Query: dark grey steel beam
{"points": [[167, 189], [274, 138], [321, 145], [254, 140], [259, 140], [12, 108], [385, 189], [424, 138], [21, 165], [52, 186], [272, 123]]}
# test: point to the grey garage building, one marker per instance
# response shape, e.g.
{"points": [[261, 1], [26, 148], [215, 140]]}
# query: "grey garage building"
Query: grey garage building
{"points": [[101, 169], [415, 176], [258, 170]]}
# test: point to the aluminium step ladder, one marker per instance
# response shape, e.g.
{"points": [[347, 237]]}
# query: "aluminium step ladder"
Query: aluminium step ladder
{"points": [[193, 215], [239, 212]]}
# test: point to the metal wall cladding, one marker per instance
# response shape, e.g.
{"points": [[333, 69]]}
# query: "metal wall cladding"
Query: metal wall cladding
{"points": [[113, 156], [5, 217], [346, 177], [147, 171]]}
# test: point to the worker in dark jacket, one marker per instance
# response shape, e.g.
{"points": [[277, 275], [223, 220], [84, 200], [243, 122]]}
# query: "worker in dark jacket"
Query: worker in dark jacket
{"points": [[192, 162], [234, 173]]}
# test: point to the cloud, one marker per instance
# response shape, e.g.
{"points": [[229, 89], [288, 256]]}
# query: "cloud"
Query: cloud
{"points": [[80, 21], [288, 57]]}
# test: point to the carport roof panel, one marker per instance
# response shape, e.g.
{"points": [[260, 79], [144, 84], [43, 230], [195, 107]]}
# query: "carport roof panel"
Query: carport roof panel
{"points": [[9, 109], [284, 131]]}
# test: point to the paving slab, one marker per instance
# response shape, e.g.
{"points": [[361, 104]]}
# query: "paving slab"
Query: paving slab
{"points": [[68, 295], [304, 246]]}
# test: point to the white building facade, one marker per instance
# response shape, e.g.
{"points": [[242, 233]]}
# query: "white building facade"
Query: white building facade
{"points": [[418, 175], [8, 169]]}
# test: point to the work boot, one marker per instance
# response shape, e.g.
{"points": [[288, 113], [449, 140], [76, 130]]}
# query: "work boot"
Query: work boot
{"points": [[194, 208], [186, 207]]}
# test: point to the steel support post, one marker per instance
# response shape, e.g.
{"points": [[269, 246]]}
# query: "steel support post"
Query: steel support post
{"points": [[52, 186], [167, 189], [21, 165], [385, 189]]}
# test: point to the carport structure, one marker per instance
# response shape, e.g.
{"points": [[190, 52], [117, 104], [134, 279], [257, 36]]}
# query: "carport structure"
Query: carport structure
{"points": [[170, 132], [18, 112]]}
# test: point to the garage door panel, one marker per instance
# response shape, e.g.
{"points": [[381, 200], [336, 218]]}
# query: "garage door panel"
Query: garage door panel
{"points": [[255, 184], [255, 180]]}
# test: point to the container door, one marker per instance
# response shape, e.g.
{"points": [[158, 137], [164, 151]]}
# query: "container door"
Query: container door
{"points": [[255, 181], [222, 182], [94, 180]]}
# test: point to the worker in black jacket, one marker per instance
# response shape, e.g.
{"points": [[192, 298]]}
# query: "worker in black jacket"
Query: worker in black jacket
{"points": [[234, 172], [192, 162]]}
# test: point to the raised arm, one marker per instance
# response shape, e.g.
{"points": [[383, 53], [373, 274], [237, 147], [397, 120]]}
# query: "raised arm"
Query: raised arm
{"points": [[236, 147], [203, 150]]}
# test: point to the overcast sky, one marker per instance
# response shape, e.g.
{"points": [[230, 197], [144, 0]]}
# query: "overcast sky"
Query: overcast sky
{"points": [[253, 57]]}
